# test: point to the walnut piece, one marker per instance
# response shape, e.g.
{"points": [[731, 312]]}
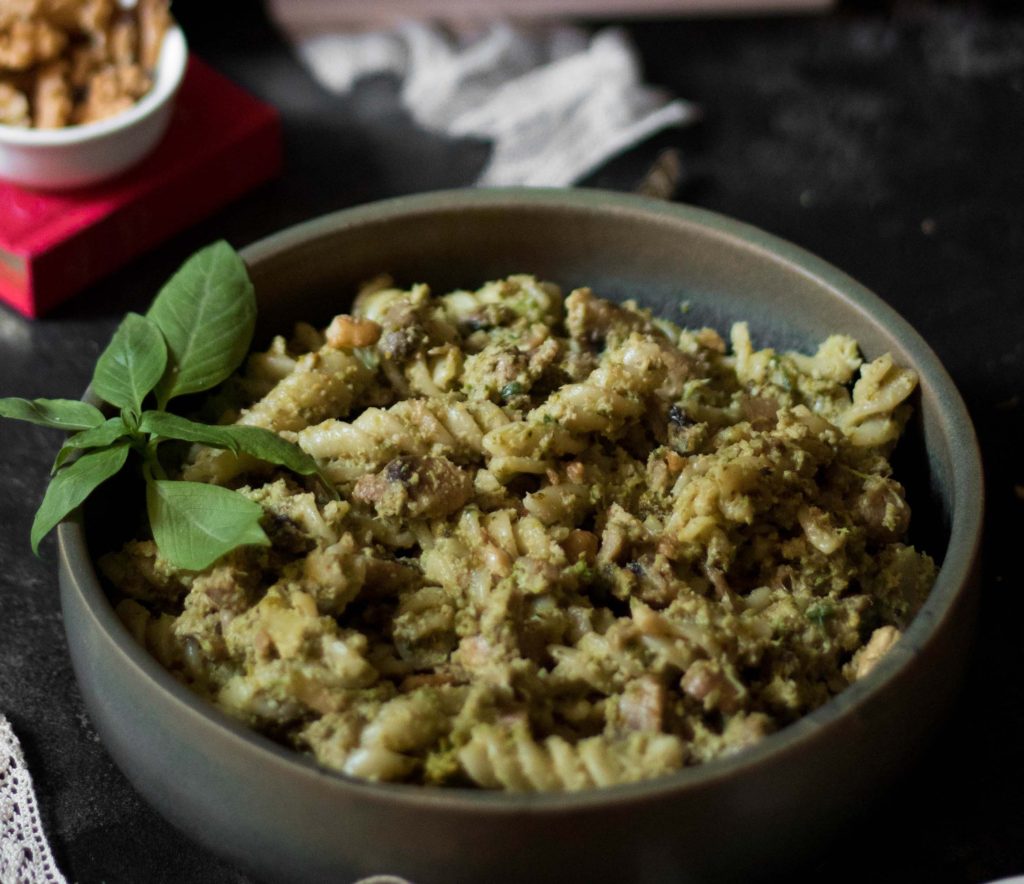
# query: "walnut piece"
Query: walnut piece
{"points": [[13, 106], [52, 98]]}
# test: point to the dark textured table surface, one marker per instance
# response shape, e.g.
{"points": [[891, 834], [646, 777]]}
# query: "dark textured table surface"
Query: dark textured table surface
{"points": [[889, 143]]}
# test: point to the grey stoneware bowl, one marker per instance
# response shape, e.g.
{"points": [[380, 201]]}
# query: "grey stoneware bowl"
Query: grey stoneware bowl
{"points": [[274, 813]]}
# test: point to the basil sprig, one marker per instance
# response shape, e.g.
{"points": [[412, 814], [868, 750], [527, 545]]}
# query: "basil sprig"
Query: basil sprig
{"points": [[207, 313], [193, 337]]}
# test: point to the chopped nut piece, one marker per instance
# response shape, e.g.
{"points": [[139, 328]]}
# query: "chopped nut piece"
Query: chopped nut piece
{"points": [[581, 543], [154, 20], [13, 106], [25, 43], [346, 332], [111, 91], [415, 486], [123, 41], [868, 657], [52, 98]]}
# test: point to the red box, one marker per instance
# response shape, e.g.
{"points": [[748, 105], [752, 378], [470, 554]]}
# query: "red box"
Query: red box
{"points": [[221, 142]]}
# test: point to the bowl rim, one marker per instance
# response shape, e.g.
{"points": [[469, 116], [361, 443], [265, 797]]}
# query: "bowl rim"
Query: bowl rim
{"points": [[955, 576], [170, 71]]}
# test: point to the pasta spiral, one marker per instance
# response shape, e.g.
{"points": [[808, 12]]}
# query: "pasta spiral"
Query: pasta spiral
{"points": [[499, 758], [415, 426]]}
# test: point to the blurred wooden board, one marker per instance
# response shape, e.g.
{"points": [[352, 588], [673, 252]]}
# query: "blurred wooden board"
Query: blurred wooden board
{"points": [[305, 17]]}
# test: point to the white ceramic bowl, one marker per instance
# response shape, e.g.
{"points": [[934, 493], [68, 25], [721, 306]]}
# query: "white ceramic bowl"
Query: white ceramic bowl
{"points": [[55, 159]]}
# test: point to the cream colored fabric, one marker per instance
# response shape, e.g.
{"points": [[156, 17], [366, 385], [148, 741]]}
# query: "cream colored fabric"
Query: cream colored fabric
{"points": [[555, 102], [25, 856]]}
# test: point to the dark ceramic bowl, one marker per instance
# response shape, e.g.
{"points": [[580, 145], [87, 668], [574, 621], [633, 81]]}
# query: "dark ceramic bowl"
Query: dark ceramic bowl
{"points": [[275, 813]]}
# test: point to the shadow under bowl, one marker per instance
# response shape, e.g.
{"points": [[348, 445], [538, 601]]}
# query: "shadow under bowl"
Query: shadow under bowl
{"points": [[274, 812]]}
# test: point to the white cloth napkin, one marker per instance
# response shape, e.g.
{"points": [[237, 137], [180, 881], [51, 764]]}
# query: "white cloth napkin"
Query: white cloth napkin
{"points": [[555, 102], [25, 855]]}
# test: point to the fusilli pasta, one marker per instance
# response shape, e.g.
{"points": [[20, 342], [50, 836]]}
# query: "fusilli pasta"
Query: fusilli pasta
{"points": [[574, 545]]}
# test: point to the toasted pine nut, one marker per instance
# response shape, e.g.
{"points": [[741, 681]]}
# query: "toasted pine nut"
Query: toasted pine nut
{"points": [[346, 332]]}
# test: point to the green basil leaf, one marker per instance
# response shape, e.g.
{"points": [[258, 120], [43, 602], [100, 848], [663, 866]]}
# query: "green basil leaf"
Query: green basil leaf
{"points": [[60, 414], [194, 524], [73, 484], [132, 364], [105, 434], [207, 312], [171, 426], [267, 445]]}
